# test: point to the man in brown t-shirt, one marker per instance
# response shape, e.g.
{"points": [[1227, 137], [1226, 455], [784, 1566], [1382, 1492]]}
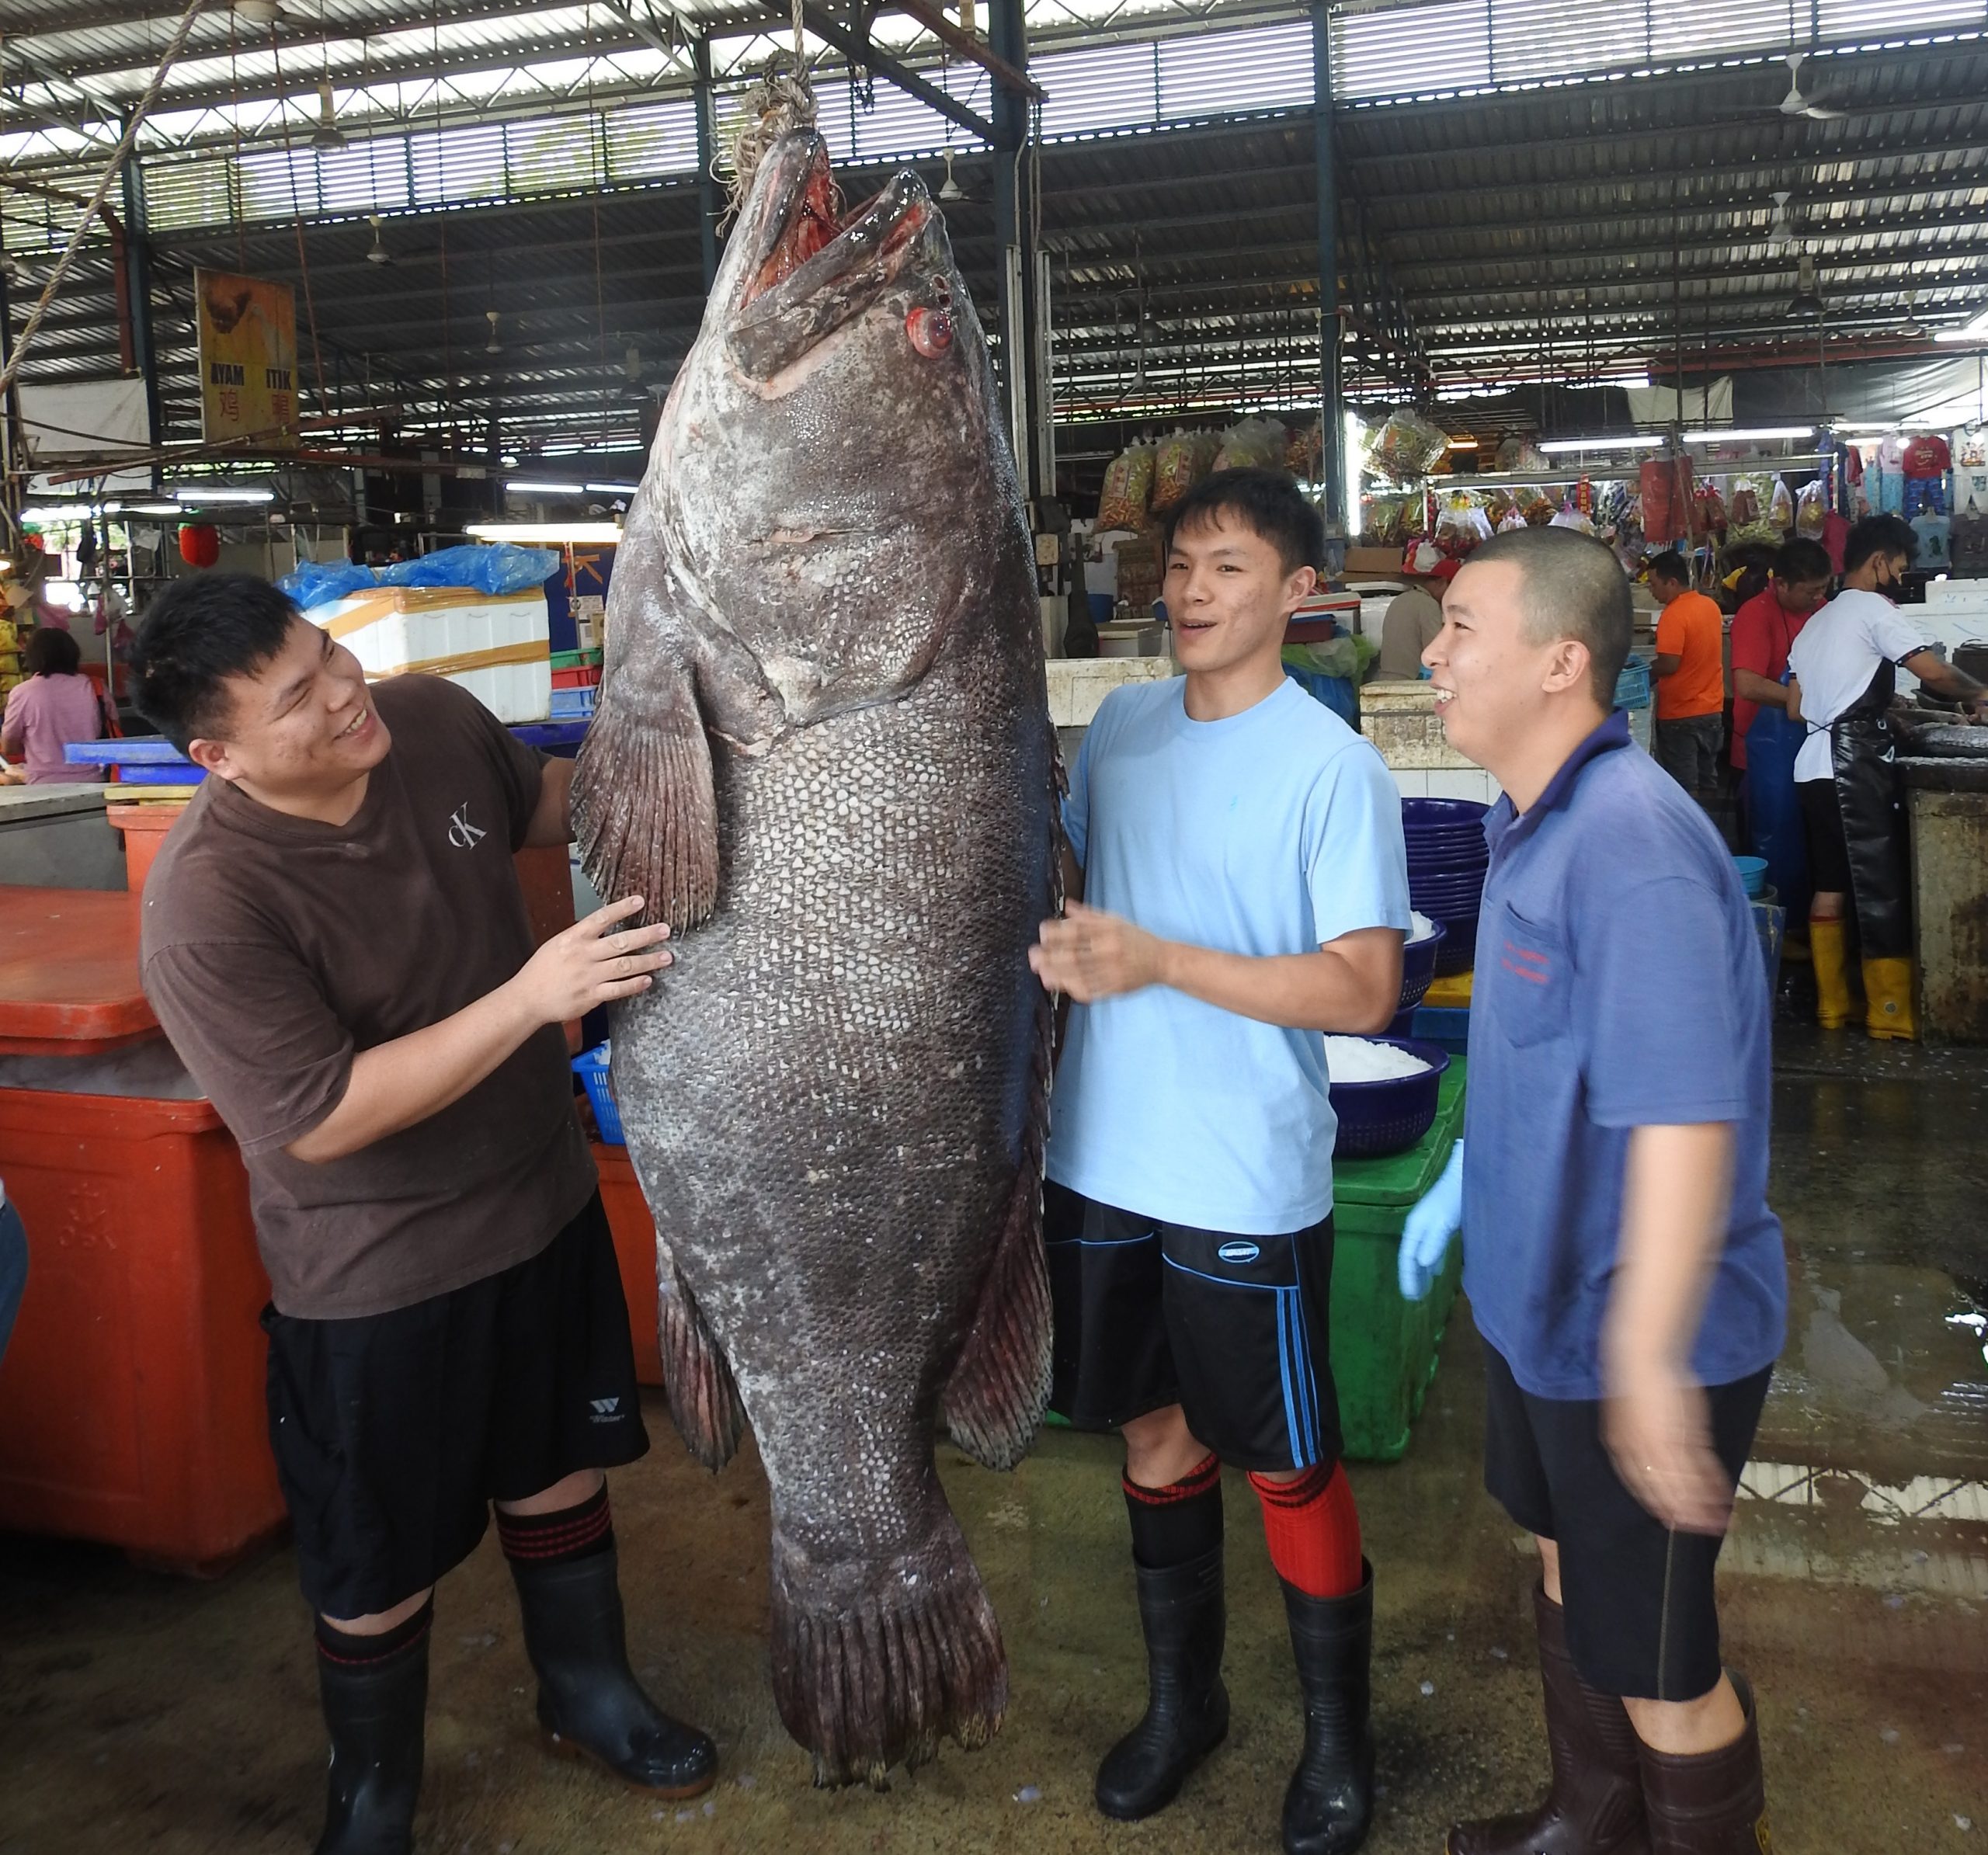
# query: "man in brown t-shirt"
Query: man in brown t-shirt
{"points": [[335, 943]]}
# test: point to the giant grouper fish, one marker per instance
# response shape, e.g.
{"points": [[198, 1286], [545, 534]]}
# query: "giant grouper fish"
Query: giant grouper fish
{"points": [[823, 754]]}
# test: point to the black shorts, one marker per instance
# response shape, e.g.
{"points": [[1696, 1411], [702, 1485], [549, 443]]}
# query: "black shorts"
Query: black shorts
{"points": [[394, 1432], [1822, 822], [1234, 1329], [1641, 1618]]}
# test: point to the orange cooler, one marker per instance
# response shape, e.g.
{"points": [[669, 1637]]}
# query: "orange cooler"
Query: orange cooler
{"points": [[131, 1398]]}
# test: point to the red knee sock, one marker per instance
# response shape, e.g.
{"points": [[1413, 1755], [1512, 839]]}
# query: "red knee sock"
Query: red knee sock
{"points": [[1313, 1531]]}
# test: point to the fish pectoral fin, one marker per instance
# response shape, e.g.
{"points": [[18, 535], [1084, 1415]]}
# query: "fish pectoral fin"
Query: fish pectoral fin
{"points": [[994, 1402], [704, 1399], [644, 813]]}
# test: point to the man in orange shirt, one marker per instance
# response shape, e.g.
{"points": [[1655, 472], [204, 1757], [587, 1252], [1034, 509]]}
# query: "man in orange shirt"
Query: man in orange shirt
{"points": [[1690, 690]]}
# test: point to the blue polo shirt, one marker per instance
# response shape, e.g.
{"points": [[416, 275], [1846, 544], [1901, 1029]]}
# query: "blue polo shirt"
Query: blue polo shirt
{"points": [[1271, 831], [1619, 984]]}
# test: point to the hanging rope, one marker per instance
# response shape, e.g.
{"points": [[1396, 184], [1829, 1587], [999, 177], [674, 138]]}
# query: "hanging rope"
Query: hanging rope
{"points": [[782, 101], [112, 168]]}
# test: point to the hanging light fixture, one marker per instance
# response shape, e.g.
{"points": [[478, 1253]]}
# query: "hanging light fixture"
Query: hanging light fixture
{"points": [[1806, 305], [328, 135], [493, 345]]}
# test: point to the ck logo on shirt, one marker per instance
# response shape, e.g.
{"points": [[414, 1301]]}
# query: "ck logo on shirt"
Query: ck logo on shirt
{"points": [[462, 833]]}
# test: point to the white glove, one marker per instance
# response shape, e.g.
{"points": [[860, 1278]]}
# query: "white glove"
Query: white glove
{"points": [[1425, 1238]]}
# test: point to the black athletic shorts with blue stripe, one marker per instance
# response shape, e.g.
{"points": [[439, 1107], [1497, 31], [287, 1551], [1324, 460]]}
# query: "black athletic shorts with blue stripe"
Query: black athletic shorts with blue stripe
{"points": [[1234, 1329]]}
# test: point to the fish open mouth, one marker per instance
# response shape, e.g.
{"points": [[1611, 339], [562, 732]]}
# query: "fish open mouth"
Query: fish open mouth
{"points": [[820, 266], [815, 222]]}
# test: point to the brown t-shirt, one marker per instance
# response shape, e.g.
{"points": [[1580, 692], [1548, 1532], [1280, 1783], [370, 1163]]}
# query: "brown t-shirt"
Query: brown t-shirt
{"points": [[275, 948]]}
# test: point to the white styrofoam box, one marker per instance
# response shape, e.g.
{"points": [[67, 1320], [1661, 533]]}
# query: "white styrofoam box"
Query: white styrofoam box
{"points": [[1130, 641], [1454, 784], [498, 646], [1078, 685]]}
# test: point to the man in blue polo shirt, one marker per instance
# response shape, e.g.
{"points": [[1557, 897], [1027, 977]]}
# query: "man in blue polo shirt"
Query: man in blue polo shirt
{"points": [[1237, 852], [1621, 1260]]}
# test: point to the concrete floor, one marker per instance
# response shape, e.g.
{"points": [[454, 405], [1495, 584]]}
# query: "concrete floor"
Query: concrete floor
{"points": [[137, 1712]]}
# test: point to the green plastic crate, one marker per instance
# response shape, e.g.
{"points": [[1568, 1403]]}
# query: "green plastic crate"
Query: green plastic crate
{"points": [[576, 660], [1384, 1348]]}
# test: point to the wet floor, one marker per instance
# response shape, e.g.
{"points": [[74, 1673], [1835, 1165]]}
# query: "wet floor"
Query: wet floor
{"points": [[137, 1712]]}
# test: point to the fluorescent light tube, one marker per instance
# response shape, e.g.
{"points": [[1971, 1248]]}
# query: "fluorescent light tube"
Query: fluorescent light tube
{"points": [[220, 493], [523, 487], [1638, 442], [613, 489], [607, 532], [1745, 434]]}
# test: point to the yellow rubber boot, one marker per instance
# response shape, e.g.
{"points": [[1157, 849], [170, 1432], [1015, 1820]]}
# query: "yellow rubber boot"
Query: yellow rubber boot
{"points": [[1889, 988], [1829, 950]]}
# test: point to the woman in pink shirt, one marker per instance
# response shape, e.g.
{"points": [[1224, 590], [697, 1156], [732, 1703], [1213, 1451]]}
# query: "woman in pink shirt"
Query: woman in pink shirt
{"points": [[57, 704]]}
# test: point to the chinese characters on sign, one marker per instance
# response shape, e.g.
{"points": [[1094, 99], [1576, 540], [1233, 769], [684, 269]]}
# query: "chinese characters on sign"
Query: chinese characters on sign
{"points": [[248, 359]]}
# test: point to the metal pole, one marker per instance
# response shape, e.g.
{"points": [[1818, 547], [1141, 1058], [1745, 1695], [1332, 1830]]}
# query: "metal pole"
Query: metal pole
{"points": [[1333, 428], [138, 287], [1014, 233], [709, 206]]}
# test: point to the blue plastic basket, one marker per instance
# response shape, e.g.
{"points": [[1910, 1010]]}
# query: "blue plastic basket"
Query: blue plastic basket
{"points": [[591, 1067], [1632, 686], [1418, 968], [1376, 1119], [574, 704]]}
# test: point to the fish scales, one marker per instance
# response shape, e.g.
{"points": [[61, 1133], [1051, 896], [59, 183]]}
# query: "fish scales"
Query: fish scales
{"points": [[823, 751]]}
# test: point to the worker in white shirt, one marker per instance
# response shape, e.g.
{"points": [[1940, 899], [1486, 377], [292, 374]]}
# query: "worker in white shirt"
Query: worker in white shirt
{"points": [[1846, 775]]}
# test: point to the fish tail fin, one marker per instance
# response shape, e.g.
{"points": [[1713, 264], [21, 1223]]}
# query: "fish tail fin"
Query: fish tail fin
{"points": [[645, 810], [876, 1679], [704, 1399]]}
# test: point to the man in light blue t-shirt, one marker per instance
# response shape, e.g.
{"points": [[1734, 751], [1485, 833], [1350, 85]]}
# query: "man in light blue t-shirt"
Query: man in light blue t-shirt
{"points": [[1236, 851]]}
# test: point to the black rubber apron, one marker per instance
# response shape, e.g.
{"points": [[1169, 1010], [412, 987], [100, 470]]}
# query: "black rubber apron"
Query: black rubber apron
{"points": [[1870, 796]]}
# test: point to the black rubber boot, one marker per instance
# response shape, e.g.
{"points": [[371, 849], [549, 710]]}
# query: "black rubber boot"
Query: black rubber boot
{"points": [[1184, 1619], [375, 1711], [588, 1702], [1330, 1800]]}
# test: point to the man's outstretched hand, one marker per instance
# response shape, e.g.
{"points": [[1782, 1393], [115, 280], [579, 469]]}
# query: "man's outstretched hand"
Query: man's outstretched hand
{"points": [[1089, 955]]}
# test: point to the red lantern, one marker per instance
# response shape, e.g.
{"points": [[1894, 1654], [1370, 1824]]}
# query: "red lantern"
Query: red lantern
{"points": [[199, 544]]}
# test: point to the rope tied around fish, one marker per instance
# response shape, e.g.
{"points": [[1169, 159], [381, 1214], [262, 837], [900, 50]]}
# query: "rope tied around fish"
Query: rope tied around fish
{"points": [[782, 101]]}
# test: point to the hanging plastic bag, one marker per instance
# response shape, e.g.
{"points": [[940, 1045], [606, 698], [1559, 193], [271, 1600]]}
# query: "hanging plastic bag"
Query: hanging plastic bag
{"points": [[1571, 517], [1127, 489], [1257, 444], [1811, 511], [497, 568], [1780, 509], [1406, 445], [1173, 472]]}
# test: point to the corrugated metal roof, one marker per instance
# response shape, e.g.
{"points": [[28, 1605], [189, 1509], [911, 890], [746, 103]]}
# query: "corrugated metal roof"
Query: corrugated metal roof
{"points": [[1582, 202]]}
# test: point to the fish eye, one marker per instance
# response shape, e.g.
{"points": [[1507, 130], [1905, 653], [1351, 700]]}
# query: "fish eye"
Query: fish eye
{"points": [[930, 331]]}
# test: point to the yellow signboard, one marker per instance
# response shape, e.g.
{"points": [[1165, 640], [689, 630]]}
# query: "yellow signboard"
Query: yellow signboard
{"points": [[248, 359]]}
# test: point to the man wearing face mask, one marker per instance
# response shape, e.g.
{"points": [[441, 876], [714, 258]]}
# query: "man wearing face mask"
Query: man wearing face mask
{"points": [[1846, 776]]}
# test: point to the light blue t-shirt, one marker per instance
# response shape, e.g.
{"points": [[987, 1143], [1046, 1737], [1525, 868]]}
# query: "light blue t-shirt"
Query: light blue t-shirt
{"points": [[1271, 831]]}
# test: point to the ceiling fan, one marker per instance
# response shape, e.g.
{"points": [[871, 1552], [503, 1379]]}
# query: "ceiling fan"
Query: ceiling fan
{"points": [[377, 252], [1795, 103], [328, 134], [493, 345], [950, 193], [1911, 328], [1781, 227]]}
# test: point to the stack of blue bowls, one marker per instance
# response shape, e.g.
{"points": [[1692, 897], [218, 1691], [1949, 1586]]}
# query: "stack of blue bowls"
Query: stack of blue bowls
{"points": [[1447, 860]]}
